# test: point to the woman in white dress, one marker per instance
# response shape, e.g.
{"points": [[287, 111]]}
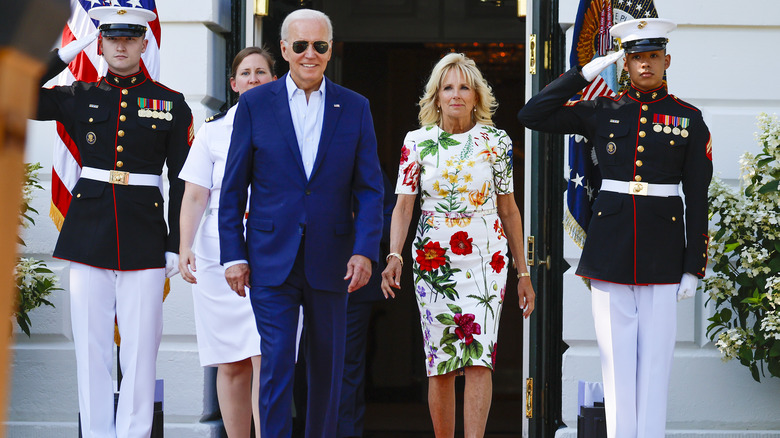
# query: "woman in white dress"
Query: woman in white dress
{"points": [[224, 322], [462, 167]]}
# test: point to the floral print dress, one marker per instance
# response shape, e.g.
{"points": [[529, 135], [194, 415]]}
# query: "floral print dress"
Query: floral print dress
{"points": [[460, 249]]}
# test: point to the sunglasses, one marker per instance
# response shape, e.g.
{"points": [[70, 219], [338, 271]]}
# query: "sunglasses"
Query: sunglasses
{"points": [[320, 46]]}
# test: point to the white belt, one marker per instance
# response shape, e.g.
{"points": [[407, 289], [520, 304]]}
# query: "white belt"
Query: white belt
{"points": [[640, 188], [122, 178]]}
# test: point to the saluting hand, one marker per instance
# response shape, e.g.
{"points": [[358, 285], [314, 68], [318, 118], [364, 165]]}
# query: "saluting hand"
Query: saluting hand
{"points": [[73, 48], [593, 68]]}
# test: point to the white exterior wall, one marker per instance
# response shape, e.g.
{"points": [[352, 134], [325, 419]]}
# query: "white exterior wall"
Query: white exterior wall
{"points": [[44, 401], [719, 60]]}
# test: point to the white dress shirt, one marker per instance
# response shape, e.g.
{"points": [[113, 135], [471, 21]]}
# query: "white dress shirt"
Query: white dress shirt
{"points": [[307, 119]]}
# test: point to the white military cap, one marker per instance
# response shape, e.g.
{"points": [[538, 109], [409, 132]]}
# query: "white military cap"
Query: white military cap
{"points": [[644, 35], [120, 21]]}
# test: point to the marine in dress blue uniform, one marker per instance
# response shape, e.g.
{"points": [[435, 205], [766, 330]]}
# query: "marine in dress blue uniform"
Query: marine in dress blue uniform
{"points": [[643, 238], [126, 127]]}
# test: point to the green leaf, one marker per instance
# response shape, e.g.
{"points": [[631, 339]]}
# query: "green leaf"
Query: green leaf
{"points": [[454, 309], [775, 350], [445, 319], [449, 338], [754, 372], [773, 186], [474, 350], [774, 264], [774, 368], [449, 349], [745, 353]]}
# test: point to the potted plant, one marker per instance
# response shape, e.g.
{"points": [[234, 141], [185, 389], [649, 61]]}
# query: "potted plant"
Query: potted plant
{"points": [[34, 281]]}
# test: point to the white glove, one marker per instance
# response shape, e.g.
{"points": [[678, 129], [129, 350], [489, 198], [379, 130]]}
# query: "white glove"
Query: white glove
{"points": [[69, 52], [688, 285], [171, 264], [593, 68]]}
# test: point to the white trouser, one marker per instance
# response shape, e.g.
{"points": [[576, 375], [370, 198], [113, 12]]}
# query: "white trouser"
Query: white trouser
{"points": [[135, 297], [635, 329]]}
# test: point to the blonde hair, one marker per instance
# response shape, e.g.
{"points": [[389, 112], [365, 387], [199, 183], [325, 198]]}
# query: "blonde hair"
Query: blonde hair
{"points": [[486, 103]]}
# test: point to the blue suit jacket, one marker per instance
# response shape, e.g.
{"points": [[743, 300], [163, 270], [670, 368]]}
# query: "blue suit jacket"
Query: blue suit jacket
{"points": [[339, 206]]}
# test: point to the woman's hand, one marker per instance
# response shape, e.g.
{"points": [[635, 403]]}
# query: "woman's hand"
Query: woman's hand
{"points": [[391, 277], [187, 265], [527, 296]]}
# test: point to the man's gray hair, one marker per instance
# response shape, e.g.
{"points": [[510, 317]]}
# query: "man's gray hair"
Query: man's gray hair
{"points": [[305, 14]]}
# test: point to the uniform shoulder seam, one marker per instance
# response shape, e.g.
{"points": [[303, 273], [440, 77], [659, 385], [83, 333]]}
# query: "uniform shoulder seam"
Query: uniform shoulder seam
{"points": [[684, 103]]}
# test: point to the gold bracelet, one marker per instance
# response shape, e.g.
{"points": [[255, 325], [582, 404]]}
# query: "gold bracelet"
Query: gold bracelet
{"points": [[396, 255], [523, 274]]}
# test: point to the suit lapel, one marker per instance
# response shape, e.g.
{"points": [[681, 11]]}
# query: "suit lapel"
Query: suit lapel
{"points": [[329, 122], [281, 106]]}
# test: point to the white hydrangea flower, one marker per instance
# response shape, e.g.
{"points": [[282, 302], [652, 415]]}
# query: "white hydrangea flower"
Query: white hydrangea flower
{"points": [[770, 325], [730, 341]]}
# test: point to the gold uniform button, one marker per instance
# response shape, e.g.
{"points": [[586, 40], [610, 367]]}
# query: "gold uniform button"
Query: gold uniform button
{"points": [[78, 195], [704, 255], [124, 92], [91, 120], [671, 142], [122, 118], [154, 126], [599, 213], [637, 178], [643, 120], [120, 133], [674, 219], [642, 134], [640, 148], [123, 104], [644, 107], [119, 164], [119, 148], [156, 204], [611, 135], [638, 163]]}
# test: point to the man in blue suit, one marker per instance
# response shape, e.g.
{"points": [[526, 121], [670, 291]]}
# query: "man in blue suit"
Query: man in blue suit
{"points": [[308, 149]]}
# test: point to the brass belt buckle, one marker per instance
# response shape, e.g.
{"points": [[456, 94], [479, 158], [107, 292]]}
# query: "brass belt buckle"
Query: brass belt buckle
{"points": [[118, 177], [637, 188]]}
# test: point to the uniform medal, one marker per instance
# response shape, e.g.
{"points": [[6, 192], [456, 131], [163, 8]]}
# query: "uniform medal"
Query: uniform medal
{"points": [[155, 108], [684, 122]]}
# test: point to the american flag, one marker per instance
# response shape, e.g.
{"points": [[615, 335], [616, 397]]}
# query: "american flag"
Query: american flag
{"points": [[88, 66], [591, 40]]}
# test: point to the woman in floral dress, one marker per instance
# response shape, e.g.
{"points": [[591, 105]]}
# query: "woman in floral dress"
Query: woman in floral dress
{"points": [[462, 167]]}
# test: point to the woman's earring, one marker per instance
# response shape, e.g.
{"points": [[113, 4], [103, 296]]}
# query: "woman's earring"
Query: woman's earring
{"points": [[438, 109]]}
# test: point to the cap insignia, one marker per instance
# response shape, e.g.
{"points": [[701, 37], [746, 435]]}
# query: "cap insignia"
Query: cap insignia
{"points": [[124, 11], [641, 24]]}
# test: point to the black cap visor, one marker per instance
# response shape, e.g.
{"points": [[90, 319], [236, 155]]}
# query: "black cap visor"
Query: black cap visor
{"points": [[122, 30], [644, 45]]}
